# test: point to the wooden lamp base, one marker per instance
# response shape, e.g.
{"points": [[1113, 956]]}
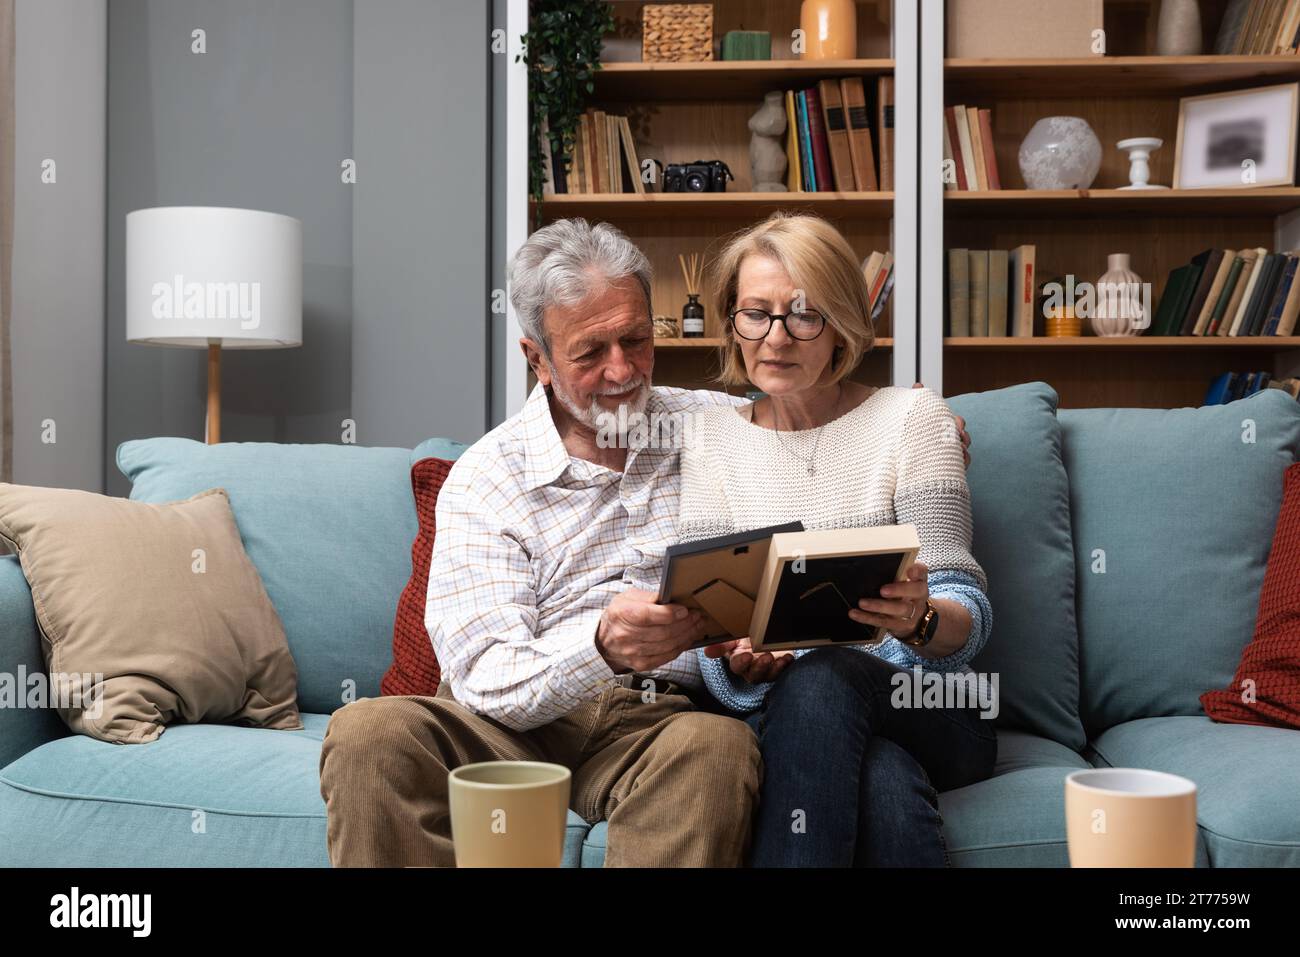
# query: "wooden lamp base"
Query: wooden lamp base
{"points": [[213, 430]]}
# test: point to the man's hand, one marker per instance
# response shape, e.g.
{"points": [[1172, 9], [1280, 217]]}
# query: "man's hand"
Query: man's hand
{"points": [[635, 634], [754, 668], [961, 433]]}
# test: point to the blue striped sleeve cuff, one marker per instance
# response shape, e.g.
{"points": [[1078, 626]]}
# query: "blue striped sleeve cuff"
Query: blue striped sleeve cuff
{"points": [[965, 590]]}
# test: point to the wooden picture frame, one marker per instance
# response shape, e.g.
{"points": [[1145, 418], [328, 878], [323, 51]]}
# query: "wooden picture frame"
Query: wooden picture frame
{"points": [[1194, 136]]}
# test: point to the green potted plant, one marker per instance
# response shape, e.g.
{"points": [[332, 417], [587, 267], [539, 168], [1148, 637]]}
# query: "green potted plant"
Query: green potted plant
{"points": [[562, 52]]}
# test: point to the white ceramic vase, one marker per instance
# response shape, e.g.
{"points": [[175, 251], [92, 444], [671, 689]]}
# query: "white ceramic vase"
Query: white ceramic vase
{"points": [[1060, 152], [1118, 310]]}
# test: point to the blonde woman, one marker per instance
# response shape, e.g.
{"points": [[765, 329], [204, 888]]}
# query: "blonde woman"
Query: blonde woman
{"points": [[849, 779]]}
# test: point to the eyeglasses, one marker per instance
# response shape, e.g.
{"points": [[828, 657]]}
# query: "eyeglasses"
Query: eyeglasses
{"points": [[757, 323]]}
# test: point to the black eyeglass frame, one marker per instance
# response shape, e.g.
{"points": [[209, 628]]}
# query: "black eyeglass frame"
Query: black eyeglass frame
{"points": [[772, 318]]}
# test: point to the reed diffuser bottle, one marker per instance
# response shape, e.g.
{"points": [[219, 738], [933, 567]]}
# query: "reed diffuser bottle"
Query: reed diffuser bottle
{"points": [[693, 311]]}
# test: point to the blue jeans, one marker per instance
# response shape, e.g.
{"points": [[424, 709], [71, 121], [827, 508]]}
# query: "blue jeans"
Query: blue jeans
{"points": [[848, 779]]}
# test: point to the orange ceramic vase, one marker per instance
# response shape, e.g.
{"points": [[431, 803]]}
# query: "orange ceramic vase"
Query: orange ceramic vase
{"points": [[830, 29]]}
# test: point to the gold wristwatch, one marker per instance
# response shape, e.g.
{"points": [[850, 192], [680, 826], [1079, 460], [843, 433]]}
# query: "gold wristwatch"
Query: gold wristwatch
{"points": [[925, 631]]}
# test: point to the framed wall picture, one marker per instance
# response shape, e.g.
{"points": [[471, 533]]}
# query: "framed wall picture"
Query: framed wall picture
{"points": [[1239, 139]]}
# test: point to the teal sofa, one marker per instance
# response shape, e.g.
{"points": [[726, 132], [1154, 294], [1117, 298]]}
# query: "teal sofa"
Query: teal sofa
{"points": [[1125, 550]]}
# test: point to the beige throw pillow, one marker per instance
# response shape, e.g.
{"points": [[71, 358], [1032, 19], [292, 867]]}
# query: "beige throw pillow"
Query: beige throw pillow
{"points": [[150, 613]]}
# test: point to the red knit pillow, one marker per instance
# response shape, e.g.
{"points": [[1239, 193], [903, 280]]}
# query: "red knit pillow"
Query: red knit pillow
{"points": [[415, 668], [1272, 659]]}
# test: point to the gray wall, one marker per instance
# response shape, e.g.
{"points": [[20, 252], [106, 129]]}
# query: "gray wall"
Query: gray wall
{"points": [[58, 260], [262, 120], [421, 101]]}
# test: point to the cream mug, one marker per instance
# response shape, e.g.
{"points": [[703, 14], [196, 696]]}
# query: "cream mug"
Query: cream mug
{"points": [[509, 813], [1130, 817]]}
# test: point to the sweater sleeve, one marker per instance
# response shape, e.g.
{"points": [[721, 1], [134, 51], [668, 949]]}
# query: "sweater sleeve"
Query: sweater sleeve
{"points": [[930, 489], [966, 591]]}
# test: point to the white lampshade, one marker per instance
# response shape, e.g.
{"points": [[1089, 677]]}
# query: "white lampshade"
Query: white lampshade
{"points": [[201, 275]]}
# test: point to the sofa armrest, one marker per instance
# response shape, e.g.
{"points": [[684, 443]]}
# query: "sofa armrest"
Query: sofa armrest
{"points": [[21, 728]]}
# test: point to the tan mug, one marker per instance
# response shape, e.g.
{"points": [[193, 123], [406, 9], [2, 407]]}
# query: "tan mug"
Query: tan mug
{"points": [[1130, 817], [509, 813]]}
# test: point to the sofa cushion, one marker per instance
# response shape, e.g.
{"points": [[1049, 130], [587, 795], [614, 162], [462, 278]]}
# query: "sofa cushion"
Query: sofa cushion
{"points": [[438, 448], [187, 632], [329, 528], [1173, 512], [415, 667], [1021, 507], [1247, 781], [202, 795], [1266, 688], [1016, 818]]}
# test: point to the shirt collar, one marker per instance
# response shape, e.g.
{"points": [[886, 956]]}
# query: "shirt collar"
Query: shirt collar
{"points": [[543, 448]]}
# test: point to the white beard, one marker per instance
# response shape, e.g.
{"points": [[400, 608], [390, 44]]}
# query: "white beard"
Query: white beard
{"points": [[595, 415]]}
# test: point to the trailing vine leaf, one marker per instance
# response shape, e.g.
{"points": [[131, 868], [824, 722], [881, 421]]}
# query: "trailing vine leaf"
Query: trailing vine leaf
{"points": [[561, 51]]}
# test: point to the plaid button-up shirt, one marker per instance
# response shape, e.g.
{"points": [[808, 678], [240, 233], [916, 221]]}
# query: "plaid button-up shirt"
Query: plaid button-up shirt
{"points": [[531, 546]]}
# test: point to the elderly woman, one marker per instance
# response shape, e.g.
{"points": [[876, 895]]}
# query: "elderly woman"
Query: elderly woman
{"points": [[850, 779]]}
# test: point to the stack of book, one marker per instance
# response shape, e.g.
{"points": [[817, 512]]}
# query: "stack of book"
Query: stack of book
{"points": [[878, 269], [991, 292], [604, 158], [1231, 386], [829, 137], [1260, 27], [1226, 292], [968, 145]]}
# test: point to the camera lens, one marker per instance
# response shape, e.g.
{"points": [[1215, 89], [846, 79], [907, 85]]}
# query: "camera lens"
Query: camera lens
{"points": [[696, 183]]}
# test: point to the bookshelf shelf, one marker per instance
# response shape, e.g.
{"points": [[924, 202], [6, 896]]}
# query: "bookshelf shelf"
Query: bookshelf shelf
{"points": [[876, 205], [1120, 343], [1115, 75], [722, 79], [1257, 201]]}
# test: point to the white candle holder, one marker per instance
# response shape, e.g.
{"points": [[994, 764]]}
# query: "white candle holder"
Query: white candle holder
{"points": [[1139, 150]]}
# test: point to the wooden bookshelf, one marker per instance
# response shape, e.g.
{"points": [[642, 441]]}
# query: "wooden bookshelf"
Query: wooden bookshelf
{"points": [[724, 79], [1121, 343], [1118, 75], [1124, 94], [681, 112]]}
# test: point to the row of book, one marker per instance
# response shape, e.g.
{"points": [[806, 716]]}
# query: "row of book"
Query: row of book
{"points": [[968, 145], [1225, 292], [1259, 27], [604, 158], [878, 270], [829, 137], [991, 292], [1231, 386]]}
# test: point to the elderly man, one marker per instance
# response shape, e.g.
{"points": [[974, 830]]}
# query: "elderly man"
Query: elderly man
{"points": [[541, 604]]}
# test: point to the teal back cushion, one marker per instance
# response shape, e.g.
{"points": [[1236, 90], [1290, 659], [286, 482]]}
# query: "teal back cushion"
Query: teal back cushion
{"points": [[1021, 505], [448, 449], [329, 528], [1173, 513]]}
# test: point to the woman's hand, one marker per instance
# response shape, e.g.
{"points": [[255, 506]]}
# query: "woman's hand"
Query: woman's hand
{"points": [[899, 611], [754, 668]]}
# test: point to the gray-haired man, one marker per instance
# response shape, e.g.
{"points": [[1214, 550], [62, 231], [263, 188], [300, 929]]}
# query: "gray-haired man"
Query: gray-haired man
{"points": [[540, 604]]}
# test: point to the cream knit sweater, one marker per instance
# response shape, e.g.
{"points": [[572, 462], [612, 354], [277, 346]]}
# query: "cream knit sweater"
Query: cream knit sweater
{"points": [[894, 459]]}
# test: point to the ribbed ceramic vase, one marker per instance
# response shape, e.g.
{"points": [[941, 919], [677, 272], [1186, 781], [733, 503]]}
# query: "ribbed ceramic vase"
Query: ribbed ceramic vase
{"points": [[1178, 31], [1118, 310]]}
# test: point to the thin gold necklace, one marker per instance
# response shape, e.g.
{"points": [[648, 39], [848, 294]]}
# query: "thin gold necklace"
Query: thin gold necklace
{"points": [[810, 462]]}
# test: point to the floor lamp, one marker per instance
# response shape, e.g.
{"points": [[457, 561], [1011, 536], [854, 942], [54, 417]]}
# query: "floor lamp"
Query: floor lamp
{"points": [[204, 276]]}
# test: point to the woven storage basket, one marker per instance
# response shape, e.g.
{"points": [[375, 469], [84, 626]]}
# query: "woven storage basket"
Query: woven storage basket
{"points": [[677, 32]]}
